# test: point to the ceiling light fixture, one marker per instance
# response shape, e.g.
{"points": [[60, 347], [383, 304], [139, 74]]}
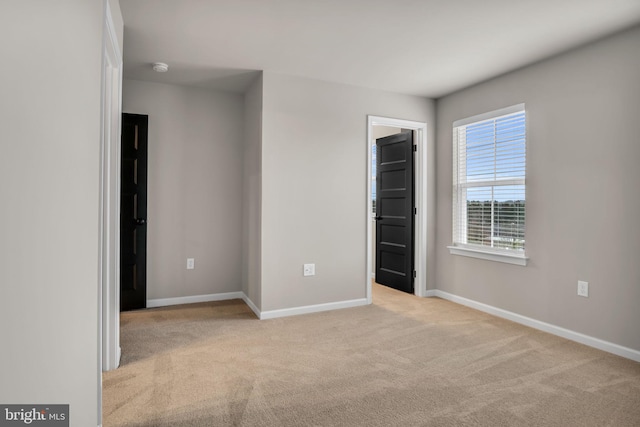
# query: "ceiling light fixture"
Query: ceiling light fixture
{"points": [[160, 67]]}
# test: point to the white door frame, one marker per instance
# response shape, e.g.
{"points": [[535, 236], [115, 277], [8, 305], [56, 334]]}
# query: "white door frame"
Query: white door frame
{"points": [[109, 269], [420, 197]]}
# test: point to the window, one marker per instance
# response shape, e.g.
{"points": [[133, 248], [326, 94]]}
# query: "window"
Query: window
{"points": [[489, 167]]}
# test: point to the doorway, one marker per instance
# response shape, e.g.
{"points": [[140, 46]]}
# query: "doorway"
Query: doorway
{"points": [[419, 131], [394, 209]]}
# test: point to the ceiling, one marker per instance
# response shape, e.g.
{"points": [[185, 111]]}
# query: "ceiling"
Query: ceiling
{"points": [[421, 47]]}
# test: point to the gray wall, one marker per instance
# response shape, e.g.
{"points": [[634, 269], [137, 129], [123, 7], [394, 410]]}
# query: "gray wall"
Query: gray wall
{"points": [[252, 192], [582, 192], [49, 169], [195, 187], [314, 186]]}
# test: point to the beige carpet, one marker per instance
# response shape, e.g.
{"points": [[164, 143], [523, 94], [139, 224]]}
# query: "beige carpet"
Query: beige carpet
{"points": [[403, 361]]}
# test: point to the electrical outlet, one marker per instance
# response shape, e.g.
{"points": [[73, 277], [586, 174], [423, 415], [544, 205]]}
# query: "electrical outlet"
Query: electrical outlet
{"points": [[191, 263], [309, 270], [583, 288]]}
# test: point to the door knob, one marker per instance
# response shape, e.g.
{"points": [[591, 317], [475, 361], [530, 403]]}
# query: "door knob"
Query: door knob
{"points": [[378, 218]]}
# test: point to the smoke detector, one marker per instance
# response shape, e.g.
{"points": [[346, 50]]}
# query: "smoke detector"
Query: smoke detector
{"points": [[160, 67]]}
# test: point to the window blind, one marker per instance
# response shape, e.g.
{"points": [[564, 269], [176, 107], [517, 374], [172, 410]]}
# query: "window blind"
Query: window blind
{"points": [[489, 167]]}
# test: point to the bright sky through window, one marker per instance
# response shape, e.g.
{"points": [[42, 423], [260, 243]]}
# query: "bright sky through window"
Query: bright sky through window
{"points": [[495, 151]]}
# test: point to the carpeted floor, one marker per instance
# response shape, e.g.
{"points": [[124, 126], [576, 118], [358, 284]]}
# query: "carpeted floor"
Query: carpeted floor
{"points": [[403, 361]]}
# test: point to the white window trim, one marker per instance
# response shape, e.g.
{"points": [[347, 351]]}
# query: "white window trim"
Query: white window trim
{"points": [[481, 252], [489, 255], [490, 115]]}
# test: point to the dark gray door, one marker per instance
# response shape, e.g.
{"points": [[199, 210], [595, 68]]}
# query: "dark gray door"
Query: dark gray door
{"points": [[133, 213], [394, 211]]}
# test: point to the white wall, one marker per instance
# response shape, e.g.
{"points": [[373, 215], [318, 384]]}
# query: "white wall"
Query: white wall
{"points": [[582, 192], [252, 192], [314, 186], [194, 187], [49, 170]]}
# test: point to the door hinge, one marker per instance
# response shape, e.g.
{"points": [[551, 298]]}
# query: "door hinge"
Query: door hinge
{"points": [[414, 274], [415, 211], [415, 147]]}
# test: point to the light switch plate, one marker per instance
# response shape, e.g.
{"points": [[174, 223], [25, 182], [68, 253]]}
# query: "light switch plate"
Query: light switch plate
{"points": [[191, 264]]}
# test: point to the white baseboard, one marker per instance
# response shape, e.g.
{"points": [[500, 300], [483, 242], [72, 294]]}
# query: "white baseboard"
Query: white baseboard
{"points": [[251, 305], [162, 302], [430, 293], [609, 347], [272, 314], [262, 315]]}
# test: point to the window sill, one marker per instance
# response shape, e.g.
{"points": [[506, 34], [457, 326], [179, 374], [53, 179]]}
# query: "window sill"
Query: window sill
{"points": [[489, 255]]}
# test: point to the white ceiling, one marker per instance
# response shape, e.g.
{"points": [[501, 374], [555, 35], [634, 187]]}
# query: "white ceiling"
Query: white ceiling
{"points": [[421, 47]]}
